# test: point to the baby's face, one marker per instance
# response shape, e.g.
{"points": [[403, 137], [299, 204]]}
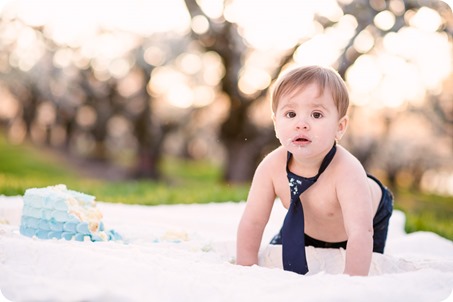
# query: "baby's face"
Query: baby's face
{"points": [[307, 121]]}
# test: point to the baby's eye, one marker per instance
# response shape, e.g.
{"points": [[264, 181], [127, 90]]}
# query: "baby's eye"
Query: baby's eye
{"points": [[317, 115], [290, 114]]}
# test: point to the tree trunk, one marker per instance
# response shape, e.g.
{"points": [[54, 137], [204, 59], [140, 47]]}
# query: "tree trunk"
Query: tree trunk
{"points": [[149, 139], [243, 158], [245, 148]]}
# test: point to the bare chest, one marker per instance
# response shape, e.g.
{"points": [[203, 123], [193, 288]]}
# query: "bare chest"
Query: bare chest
{"points": [[319, 202], [322, 211]]}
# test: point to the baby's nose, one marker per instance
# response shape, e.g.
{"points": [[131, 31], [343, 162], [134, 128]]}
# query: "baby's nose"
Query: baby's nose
{"points": [[302, 123]]}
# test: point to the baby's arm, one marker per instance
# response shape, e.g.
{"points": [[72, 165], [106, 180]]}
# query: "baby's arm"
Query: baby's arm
{"points": [[256, 215], [356, 204]]}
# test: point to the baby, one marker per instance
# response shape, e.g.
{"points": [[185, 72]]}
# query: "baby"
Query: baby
{"points": [[332, 201]]}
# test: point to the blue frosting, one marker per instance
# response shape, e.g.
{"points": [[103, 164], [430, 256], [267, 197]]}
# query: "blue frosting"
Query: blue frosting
{"points": [[43, 225], [67, 235], [82, 228], [70, 226], [55, 225], [46, 215]]}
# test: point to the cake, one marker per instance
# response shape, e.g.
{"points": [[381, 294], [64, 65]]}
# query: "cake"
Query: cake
{"points": [[56, 212]]}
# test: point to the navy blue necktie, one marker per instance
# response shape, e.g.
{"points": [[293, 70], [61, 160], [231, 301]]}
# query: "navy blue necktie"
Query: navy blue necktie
{"points": [[292, 232]]}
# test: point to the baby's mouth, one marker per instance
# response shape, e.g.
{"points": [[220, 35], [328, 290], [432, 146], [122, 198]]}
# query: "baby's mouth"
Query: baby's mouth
{"points": [[301, 140]]}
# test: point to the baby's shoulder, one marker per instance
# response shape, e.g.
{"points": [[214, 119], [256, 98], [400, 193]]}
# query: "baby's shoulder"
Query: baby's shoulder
{"points": [[275, 159], [347, 164], [346, 159]]}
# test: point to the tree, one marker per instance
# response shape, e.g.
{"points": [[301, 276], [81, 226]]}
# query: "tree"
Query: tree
{"points": [[244, 141]]}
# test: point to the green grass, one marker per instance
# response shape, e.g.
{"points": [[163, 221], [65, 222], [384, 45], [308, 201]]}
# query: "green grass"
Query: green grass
{"points": [[23, 167], [426, 212], [185, 182]]}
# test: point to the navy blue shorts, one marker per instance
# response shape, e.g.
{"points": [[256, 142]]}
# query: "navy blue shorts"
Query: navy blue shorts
{"points": [[382, 218], [380, 225]]}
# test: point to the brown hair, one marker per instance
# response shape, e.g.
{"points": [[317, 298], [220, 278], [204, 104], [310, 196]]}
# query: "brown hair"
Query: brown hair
{"points": [[300, 77]]}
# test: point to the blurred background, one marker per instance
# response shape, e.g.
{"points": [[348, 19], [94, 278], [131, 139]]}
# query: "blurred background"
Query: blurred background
{"points": [[115, 89]]}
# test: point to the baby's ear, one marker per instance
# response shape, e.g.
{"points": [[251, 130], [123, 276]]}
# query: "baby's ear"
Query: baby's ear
{"points": [[342, 126], [274, 120]]}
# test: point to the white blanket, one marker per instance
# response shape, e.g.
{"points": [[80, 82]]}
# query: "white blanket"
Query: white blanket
{"points": [[186, 253]]}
